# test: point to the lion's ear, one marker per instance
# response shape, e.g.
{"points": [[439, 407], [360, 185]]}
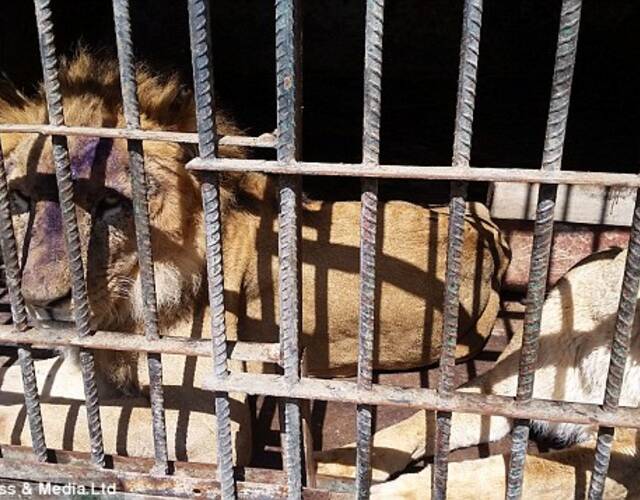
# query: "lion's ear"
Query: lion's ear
{"points": [[167, 102]]}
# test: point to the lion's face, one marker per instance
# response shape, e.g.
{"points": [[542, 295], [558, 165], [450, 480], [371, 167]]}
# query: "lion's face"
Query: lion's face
{"points": [[104, 211]]}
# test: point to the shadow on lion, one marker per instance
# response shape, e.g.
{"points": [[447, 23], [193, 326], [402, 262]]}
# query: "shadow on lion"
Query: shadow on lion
{"points": [[410, 270]]}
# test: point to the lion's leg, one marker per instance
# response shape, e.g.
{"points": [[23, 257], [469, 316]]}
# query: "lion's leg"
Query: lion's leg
{"points": [[126, 421], [559, 474], [395, 447]]}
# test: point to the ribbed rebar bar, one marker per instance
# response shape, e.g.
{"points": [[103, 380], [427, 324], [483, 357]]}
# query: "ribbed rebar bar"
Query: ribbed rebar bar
{"points": [[131, 106], [543, 231], [289, 118], [368, 241], [449, 337], [81, 311], [619, 351], [201, 57], [463, 133], [19, 316]]}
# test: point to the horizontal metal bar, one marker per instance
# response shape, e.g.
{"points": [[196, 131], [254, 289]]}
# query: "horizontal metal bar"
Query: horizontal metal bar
{"points": [[484, 404], [266, 140], [142, 482], [488, 174], [182, 471], [116, 341]]}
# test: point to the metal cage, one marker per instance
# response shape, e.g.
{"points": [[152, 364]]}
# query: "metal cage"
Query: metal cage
{"points": [[163, 476]]}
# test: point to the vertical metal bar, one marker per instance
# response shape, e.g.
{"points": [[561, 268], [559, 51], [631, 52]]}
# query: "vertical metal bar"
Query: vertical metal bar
{"points": [[201, 57], [143, 234], [72, 236], [289, 96], [619, 350], [19, 315], [368, 228], [543, 231], [463, 132]]}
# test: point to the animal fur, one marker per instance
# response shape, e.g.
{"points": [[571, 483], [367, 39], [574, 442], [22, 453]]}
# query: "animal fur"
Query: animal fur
{"points": [[410, 270], [576, 331]]}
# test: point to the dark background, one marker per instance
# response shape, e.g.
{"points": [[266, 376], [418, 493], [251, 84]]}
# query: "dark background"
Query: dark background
{"points": [[420, 77]]}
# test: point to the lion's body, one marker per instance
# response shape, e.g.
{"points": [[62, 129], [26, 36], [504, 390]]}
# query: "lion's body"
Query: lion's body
{"points": [[576, 331], [410, 269]]}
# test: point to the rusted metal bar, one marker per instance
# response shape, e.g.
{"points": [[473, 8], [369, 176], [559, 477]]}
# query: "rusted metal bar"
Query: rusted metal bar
{"points": [[131, 106], [463, 133], [201, 57], [619, 351], [189, 478], [267, 140], [44, 17], [445, 173], [289, 106], [19, 316], [368, 241], [118, 341], [189, 481], [543, 232], [428, 399]]}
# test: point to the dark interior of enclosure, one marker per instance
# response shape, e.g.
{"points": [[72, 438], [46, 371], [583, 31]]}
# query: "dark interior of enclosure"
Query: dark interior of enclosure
{"points": [[419, 83]]}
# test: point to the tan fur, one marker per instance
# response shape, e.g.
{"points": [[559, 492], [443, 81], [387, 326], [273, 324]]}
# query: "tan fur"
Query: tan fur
{"points": [[410, 268], [576, 328]]}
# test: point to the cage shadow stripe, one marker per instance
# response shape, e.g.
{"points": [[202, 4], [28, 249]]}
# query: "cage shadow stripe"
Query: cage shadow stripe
{"points": [[129, 87], [563, 71], [201, 56], [289, 123], [44, 18], [463, 133], [19, 316]]}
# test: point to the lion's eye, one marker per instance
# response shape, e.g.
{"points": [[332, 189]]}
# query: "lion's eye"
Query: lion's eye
{"points": [[109, 206], [20, 203]]}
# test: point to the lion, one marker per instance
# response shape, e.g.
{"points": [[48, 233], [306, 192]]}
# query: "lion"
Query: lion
{"points": [[410, 270], [577, 325]]}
